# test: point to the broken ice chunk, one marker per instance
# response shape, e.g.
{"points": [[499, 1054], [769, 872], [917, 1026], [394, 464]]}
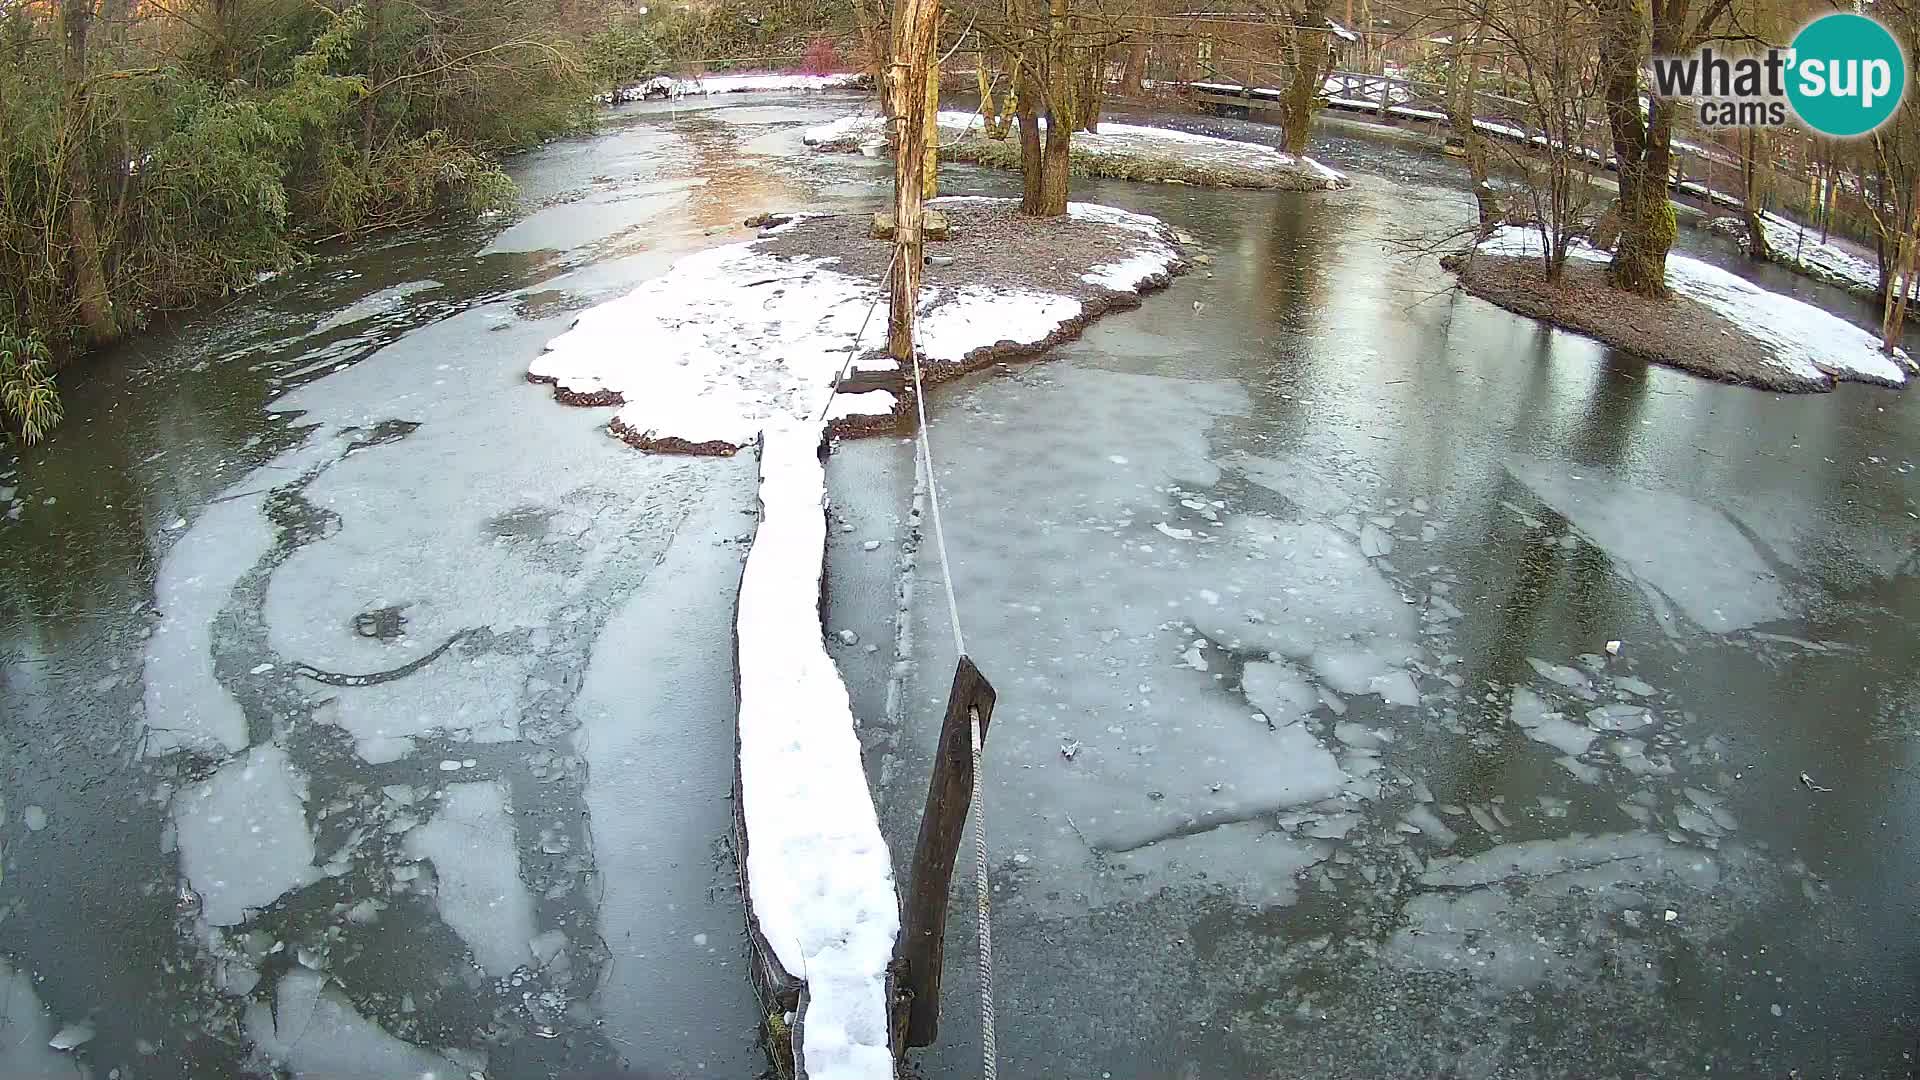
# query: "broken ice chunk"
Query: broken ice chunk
{"points": [[1619, 717]]}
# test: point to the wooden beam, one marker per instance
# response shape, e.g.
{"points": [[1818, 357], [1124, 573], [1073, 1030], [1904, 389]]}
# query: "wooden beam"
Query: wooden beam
{"points": [[921, 952]]}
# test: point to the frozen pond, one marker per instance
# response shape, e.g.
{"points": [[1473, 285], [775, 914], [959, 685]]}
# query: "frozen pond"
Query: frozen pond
{"points": [[1390, 686], [369, 714]]}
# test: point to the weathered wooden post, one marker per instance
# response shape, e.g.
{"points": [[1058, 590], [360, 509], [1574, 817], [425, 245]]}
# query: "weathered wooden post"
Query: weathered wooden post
{"points": [[915, 24], [923, 926]]}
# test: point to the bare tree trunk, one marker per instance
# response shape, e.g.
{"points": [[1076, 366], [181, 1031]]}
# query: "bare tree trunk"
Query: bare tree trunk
{"points": [[1031, 153], [914, 29], [1090, 87], [1461, 74], [871, 18], [95, 310], [1896, 312], [930, 160], [1307, 54], [1055, 169], [1750, 193], [1048, 197], [1644, 153], [1133, 71]]}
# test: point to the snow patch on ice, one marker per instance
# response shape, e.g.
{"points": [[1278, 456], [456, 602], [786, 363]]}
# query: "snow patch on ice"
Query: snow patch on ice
{"points": [[475, 857], [1688, 551], [719, 346], [819, 875], [243, 835], [185, 705], [1112, 139]]}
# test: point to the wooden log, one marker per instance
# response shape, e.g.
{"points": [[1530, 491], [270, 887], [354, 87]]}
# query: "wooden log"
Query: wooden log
{"points": [[921, 952]]}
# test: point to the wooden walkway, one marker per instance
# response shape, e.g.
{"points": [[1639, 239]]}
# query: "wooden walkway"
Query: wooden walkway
{"points": [[1394, 100]]}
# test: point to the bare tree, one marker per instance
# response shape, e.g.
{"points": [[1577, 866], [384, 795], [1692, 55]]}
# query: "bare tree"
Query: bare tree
{"points": [[1630, 31], [1547, 44]]}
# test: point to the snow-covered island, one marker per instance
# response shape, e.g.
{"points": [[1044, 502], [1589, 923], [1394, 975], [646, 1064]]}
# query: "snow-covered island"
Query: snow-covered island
{"points": [[1716, 323], [703, 358], [1123, 151]]}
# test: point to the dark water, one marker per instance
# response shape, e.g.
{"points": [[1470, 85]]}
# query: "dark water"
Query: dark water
{"points": [[483, 799]]}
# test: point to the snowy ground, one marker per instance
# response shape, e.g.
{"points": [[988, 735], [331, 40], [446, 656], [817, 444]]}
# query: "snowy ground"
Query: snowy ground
{"points": [[1809, 344], [1117, 149], [734, 339], [1800, 247]]}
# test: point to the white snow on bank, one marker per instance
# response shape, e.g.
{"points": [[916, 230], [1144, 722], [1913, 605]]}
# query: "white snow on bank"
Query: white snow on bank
{"points": [[665, 86], [1794, 244], [1808, 343], [1111, 139], [731, 340], [820, 878], [1151, 259]]}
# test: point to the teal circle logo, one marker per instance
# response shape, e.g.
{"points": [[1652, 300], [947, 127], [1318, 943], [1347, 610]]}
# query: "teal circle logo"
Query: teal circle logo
{"points": [[1847, 75]]}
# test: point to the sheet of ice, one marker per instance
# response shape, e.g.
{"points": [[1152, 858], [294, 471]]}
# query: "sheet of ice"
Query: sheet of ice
{"points": [[1279, 690], [1334, 609], [1547, 726], [185, 706], [656, 714], [1690, 552], [389, 299], [243, 834], [1807, 342], [1255, 863], [819, 874], [475, 855], [732, 339], [313, 1030], [25, 1028], [1082, 612]]}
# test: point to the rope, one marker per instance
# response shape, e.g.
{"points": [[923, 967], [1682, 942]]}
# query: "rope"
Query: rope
{"points": [[939, 534], [989, 1050]]}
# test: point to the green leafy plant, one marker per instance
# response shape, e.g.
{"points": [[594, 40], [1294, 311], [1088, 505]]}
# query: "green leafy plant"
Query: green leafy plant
{"points": [[28, 395]]}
